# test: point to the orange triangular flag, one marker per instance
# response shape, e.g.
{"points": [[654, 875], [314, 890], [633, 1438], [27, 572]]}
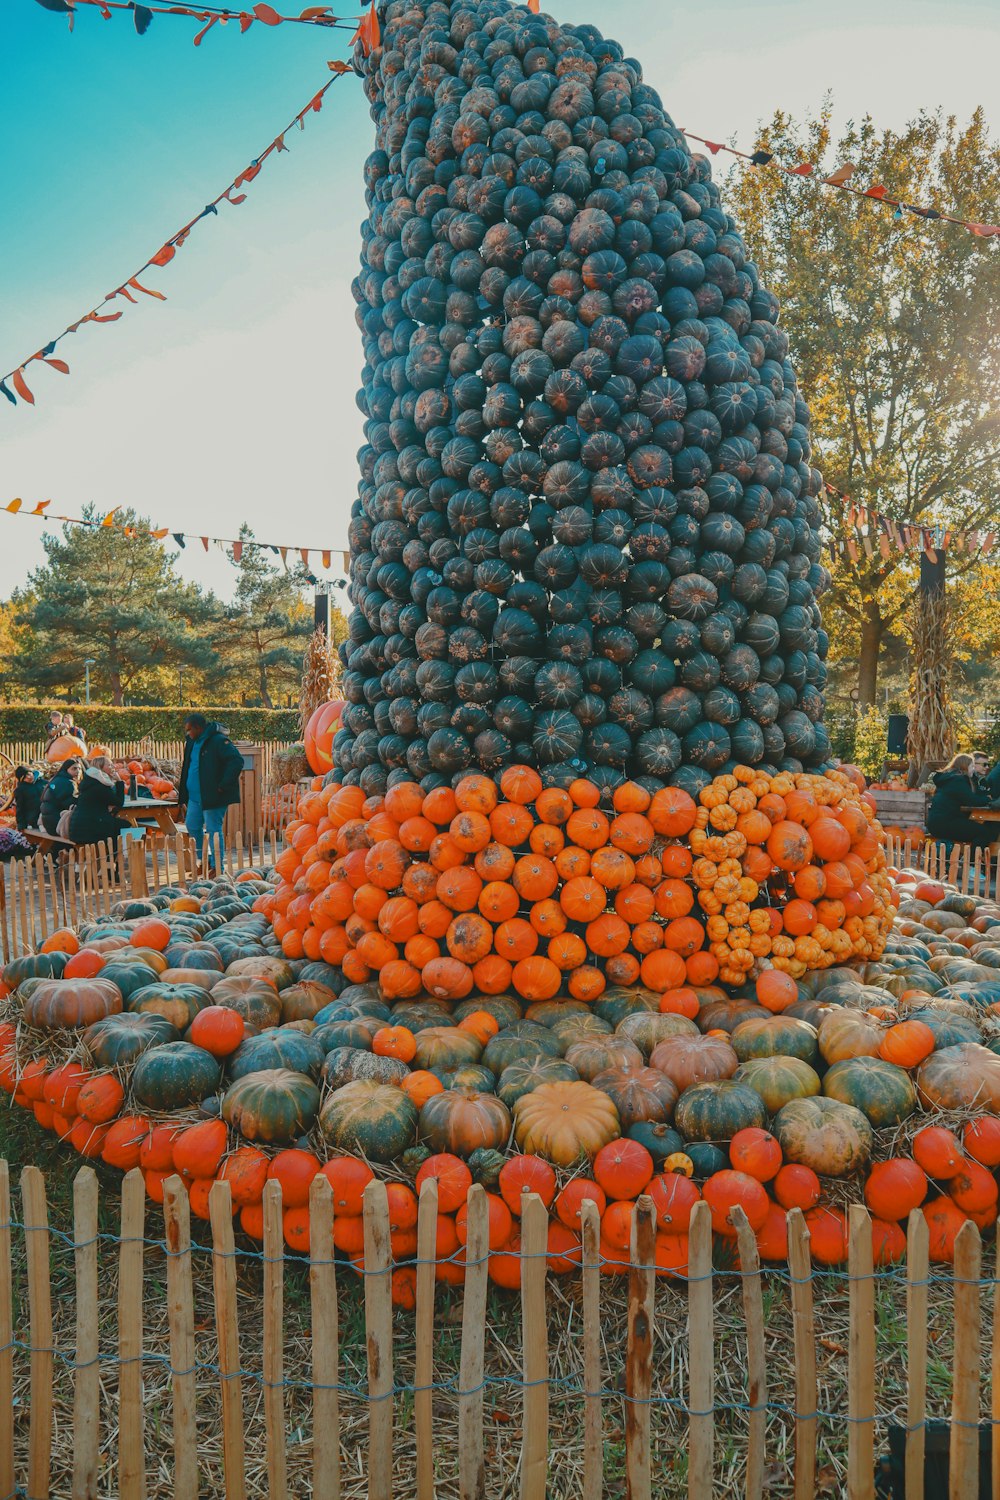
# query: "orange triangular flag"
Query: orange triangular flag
{"points": [[109, 519], [160, 533], [13, 507], [368, 32], [840, 175], [237, 551], [533, 7], [41, 507], [326, 559]]}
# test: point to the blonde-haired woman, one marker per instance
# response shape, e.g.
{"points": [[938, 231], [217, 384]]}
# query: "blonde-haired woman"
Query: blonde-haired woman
{"points": [[956, 789], [101, 795]]}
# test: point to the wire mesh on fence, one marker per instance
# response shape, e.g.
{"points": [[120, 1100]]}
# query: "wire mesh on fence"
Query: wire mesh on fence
{"points": [[139, 1359]]}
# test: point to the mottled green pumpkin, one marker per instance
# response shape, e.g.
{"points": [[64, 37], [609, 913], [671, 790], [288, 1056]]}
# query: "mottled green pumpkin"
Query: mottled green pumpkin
{"points": [[357, 1033], [252, 998], [596, 1054], [275, 1105], [67, 1004], [304, 1001], [447, 1047], [778, 1079], [373, 1119], [277, 970], [469, 1076], [281, 1047], [548, 1012], [505, 1009], [521, 1077], [774, 1036], [638, 1094], [570, 1029], [519, 1042], [343, 1064], [834, 1139], [117, 1041], [175, 1076], [647, 1029], [177, 1003], [34, 966], [716, 1111], [461, 1121], [882, 1091], [619, 1001]]}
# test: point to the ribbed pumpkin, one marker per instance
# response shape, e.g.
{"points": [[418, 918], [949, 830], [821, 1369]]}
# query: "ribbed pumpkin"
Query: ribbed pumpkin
{"points": [[777, 1036], [521, 1078], [848, 1033], [461, 1121], [716, 1111], [176, 1003], [373, 1119], [117, 1041], [277, 970], [687, 1060], [638, 1094], [273, 1105], [253, 998], [67, 1004], [565, 1122], [447, 1047], [34, 966], [303, 1001], [344, 1064], [966, 1076], [883, 1092], [519, 1042], [832, 1138], [174, 1076], [279, 1048], [778, 1079], [647, 1030], [597, 1054]]}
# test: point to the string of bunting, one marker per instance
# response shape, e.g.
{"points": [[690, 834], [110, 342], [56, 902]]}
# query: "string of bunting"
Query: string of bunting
{"points": [[840, 179], [238, 545], [102, 313], [881, 534], [209, 15]]}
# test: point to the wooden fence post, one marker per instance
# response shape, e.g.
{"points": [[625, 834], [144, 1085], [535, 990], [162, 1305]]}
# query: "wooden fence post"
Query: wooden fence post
{"points": [[274, 1341], [325, 1341], [753, 1313], [701, 1354], [916, 1352], [87, 1382], [180, 1321], [6, 1336], [593, 1435], [471, 1457], [220, 1211], [963, 1467], [36, 1235], [131, 1442], [423, 1396], [860, 1357], [535, 1343], [639, 1352], [378, 1327], [804, 1340], [994, 1381]]}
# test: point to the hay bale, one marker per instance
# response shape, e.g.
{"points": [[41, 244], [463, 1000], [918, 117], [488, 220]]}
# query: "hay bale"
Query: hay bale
{"points": [[288, 766]]}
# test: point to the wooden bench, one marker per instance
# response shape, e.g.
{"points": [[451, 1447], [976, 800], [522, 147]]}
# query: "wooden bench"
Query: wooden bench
{"points": [[48, 842]]}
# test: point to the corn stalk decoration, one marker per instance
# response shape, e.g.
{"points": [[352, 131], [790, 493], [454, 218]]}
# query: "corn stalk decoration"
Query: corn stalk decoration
{"points": [[320, 676], [932, 733]]}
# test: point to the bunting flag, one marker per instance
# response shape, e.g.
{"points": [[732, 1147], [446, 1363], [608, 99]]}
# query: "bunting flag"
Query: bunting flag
{"points": [[885, 534], [162, 257], [142, 15], [839, 178], [238, 545]]}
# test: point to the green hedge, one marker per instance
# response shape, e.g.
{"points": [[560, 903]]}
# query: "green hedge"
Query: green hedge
{"points": [[100, 721]]}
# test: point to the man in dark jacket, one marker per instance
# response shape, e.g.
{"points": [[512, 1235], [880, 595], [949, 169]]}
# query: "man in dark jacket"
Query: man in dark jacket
{"points": [[210, 780], [27, 798], [60, 793], [986, 779]]}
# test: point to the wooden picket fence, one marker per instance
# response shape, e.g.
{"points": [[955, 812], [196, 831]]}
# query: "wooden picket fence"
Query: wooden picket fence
{"points": [[303, 1413], [972, 871], [28, 752], [43, 892]]}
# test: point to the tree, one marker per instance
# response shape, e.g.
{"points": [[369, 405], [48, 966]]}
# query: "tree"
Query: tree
{"points": [[115, 598], [265, 629], [895, 331]]}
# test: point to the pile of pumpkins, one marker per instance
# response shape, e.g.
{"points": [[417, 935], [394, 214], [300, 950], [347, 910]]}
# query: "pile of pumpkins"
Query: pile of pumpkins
{"points": [[177, 1038], [587, 528]]}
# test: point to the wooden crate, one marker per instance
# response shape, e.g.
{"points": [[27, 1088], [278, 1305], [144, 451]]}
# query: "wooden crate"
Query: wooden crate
{"points": [[902, 809]]}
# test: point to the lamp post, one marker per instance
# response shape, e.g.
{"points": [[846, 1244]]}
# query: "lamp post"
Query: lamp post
{"points": [[180, 686], [88, 663]]}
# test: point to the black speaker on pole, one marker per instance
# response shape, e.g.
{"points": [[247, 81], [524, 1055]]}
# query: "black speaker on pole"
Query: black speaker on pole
{"points": [[899, 728], [321, 611]]}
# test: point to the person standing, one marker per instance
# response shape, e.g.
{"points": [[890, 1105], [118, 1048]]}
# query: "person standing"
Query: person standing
{"points": [[210, 782], [27, 798]]}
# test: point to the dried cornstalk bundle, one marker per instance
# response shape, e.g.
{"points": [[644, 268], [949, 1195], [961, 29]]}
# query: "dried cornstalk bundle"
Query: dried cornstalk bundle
{"points": [[932, 733], [320, 672]]}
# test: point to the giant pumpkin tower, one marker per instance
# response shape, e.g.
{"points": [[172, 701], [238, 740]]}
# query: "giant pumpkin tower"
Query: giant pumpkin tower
{"points": [[583, 733]]}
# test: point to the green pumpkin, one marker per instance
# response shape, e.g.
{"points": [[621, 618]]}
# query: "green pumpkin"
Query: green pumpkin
{"points": [[252, 998], [726, 1015], [617, 1002], [705, 1158], [521, 1042], [117, 1041], [505, 1009], [344, 1064], [548, 1012], [486, 1166], [525, 1075], [949, 1030], [882, 1092], [281, 1047], [570, 1029], [468, 1076], [374, 1119], [660, 1140], [35, 966], [356, 1033], [447, 1047], [646, 1029], [778, 1079], [834, 1139], [275, 1106], [129, 977], [774, 1036], [174, 1076], [177, 1003], [195, 956], [277, 970], [716, 1111]]}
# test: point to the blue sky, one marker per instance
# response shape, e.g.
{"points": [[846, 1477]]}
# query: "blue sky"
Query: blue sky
{"points": [[234, 400]]}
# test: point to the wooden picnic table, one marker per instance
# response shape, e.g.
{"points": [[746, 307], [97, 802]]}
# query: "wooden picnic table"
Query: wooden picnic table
{"points": [[139, 811]]}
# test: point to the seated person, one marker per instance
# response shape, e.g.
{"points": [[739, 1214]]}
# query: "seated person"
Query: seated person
{"points": [[990, 779], [27, 798], [59, 794], [955, 789], [53, 728], [102, 792], [73, 730]]}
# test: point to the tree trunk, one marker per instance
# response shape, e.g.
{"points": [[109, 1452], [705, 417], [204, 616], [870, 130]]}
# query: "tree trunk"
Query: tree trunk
{"points": [[872, 630], [265, 696], [117, 696]]}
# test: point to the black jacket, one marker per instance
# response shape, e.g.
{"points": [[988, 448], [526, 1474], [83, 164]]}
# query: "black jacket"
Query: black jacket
{"points": [[27, 803], [57, 795], [92, 820], [219, 767], [946, 817]]}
